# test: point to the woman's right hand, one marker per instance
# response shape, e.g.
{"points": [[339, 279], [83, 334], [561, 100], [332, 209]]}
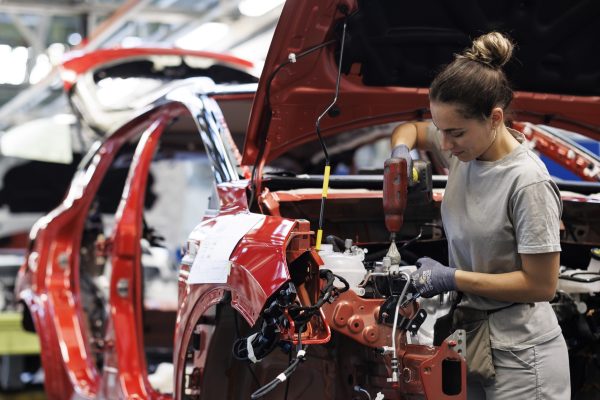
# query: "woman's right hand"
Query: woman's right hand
{"points": [[432, 277]]}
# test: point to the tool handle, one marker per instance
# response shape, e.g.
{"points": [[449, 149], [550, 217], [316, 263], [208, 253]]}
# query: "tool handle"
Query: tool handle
{"points": [[395, 192]]}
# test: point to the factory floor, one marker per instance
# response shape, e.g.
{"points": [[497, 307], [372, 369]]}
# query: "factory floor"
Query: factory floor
{"points": [[37, 394]]}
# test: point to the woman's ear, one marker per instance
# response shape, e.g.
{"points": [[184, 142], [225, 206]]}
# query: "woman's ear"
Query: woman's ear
{"points": [[497, 117]]}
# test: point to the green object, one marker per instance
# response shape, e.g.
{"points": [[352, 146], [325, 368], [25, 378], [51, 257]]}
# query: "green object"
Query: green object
{"points": [[15, 340]]}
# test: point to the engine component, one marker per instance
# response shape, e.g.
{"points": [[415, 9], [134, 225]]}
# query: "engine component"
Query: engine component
{"points": [[282, 377], [348, 265], [414, 324], [301, 315], [282, 315], [579, 281], [259, 344], [386, 312]]}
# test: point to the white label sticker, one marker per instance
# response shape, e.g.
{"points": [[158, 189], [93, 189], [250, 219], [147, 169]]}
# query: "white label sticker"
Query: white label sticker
{"points": [[212, 264]]}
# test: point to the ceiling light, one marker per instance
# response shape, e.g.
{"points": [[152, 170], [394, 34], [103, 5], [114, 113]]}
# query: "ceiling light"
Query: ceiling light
{"points": [[74, 39], [41, 68], [203, 36], [14, 65], [256, 8], [131, 41]]}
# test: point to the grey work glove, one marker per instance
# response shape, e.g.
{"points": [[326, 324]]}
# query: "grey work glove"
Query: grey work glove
{"points": [[433, 278], [402, 151]]}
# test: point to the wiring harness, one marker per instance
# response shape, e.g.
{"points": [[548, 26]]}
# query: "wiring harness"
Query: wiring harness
{"points": [[256, 346]]}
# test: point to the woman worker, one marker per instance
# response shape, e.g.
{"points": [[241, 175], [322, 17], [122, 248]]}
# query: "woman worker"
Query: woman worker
{"points": [[501, 214]]}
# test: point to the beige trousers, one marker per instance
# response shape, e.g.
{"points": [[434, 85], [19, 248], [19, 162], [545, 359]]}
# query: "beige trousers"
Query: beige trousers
{"points": [[539, 372]]}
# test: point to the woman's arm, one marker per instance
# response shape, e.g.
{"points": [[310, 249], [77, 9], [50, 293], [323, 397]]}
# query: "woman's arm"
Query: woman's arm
{"points": [[411, 134], [537, 281]]}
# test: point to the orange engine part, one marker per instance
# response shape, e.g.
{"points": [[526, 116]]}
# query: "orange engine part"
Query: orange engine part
{"points": [[422, 368], [356, 317]]}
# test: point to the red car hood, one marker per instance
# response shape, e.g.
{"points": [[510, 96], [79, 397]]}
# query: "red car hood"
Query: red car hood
{"points": [[392, 50]]}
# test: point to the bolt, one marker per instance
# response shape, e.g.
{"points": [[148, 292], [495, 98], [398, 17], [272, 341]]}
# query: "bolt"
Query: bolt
{"points": [[123, 287]]}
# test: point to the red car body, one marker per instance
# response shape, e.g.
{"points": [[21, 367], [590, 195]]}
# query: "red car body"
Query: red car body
{"points": [[343, 334]]}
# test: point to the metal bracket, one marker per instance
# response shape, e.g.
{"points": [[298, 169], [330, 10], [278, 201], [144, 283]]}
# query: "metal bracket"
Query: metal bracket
{"points": [[457, 341], [414, 324]]}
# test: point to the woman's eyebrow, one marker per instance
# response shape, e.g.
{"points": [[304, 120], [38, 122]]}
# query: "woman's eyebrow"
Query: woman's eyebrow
{"points": [[447, 130], [451, 130]]}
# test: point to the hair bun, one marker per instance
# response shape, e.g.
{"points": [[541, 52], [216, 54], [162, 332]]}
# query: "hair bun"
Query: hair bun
{"points": [[493, 49]]}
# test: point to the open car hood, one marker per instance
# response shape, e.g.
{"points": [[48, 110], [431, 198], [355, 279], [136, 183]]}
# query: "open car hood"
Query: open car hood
{"points": [[394, 48]]}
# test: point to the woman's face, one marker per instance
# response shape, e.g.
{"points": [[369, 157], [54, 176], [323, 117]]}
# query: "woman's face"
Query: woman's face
{"points": [[466, 138]]}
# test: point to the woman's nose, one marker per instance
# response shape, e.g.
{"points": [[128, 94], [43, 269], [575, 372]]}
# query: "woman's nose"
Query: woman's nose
{"points": [[446, 143]]}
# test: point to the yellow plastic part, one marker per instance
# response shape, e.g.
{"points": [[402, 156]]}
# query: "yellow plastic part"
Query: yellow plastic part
{"points": [[415, 175], [326, 180], [319, 237], [13, 339]]}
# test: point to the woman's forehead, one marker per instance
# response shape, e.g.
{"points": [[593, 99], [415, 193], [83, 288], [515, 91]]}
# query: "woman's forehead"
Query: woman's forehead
{"points": [[447, 116]]}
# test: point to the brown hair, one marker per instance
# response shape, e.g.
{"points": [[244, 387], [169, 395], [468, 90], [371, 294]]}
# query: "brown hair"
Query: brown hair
{"points": [[474, 80]]}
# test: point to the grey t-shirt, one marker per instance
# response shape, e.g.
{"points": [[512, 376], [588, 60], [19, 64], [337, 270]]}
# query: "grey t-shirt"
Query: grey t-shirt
{"points": [[493, 211]]}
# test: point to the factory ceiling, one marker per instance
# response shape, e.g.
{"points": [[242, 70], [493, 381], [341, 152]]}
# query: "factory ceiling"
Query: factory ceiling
{"points": [[37, 34]]}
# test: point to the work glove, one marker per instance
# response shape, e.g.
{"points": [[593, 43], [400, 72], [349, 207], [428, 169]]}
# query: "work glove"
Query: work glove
{"points": [[432, 278], [402, 151]]}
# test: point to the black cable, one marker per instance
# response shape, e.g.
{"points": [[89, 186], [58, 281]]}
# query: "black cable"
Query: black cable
{"points": [[337, 242], [287, 382], [237, 333], [300, 356], [411, 241], [327, 291], [301, 318], [322, 142], [263, 142], [303, 314]]}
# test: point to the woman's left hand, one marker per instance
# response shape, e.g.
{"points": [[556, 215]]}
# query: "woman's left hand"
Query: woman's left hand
{"points": [[433, 278]]}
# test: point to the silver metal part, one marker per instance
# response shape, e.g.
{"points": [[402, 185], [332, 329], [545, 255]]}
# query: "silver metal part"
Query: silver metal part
{"points": [[386, 263], [348, 244], [368, 277], [394, 362], [63, 260], [459, 340], [393, 253], [360, 389], [123, 287]]}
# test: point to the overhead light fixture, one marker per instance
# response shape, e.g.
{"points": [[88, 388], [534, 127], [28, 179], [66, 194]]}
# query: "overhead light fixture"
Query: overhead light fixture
{"points": [[74, 39], [41, 68], [256, 8], [203, 36], [131, 41], [14, 64]]}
